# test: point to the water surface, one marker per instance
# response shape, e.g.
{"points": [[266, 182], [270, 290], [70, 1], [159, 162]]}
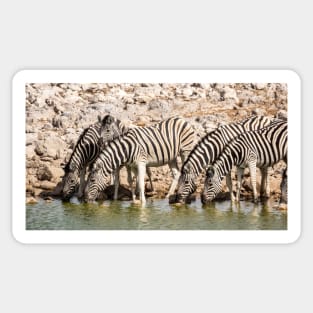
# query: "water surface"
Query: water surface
{"points": [[157, 215]]}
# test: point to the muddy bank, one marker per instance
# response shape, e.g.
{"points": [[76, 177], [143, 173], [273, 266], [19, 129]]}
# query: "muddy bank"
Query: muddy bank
{"points": [[56, 114]]}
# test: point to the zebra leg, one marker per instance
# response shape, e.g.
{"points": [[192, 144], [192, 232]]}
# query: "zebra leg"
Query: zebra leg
{"points": [[284, 187], [82, 183], [252, 169], [230, 186], [184, 155], [135, 172], [265, 184], [239, 181], [150, 179], [130, 182], [176, 173], [141, 181], [116, 183]]}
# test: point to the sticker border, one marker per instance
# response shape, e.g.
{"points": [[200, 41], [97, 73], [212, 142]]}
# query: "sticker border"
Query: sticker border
{"points": [[159, 236]]}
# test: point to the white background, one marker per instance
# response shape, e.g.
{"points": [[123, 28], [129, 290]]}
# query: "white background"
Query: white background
{"points": [[153, 76], [154, 34]]}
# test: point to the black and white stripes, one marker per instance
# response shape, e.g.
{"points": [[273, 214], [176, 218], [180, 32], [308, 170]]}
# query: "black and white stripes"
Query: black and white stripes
{"points": [[259, 148], [145, 146], [87, 149], [209, 148], [84, 153], [109, 144]]}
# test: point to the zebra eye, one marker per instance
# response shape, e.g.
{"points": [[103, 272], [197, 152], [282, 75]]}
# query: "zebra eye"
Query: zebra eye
{"points": [[72, 181]]}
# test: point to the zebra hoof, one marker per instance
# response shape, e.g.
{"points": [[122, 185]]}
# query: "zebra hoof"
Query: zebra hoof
{"points": [[282, 206], [137, 202]]}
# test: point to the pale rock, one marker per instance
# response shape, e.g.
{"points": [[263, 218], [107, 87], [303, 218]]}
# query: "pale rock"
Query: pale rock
{"points": [[74, 87], [259, 111], [30, 152], [58, 109], [31, 200], [259, 86], [52, 146], [47, 185], [30, 138], [142, 99], [230, 94], [187, 92], [39, 148], [256, 99], [44, 173], [128, 100], [57, 173]]}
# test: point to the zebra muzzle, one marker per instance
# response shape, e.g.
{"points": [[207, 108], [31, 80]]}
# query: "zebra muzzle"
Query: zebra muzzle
{"points": [[205, 200]]}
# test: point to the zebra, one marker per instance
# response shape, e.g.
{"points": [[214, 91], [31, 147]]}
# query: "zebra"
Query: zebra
{"points": [[209, 148], [85, 152], [153, 146], [284, 187], [92, 140], [262, 148], [112, 128]]}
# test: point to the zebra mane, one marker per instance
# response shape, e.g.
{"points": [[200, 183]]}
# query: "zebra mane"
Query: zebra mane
{"points": [[251, 119], [205, 137]]}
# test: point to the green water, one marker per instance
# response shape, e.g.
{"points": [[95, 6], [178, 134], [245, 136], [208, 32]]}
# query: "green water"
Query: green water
{"points": [[157, 215]]}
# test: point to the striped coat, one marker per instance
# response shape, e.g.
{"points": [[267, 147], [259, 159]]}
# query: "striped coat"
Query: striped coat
{"points": [[209, 148], [151, 146], [260, 148]]}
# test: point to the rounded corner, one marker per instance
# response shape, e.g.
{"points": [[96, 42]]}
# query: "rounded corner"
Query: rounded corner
{"points": [[18, 75], [16, 237], [295, 237], [294, 75]]}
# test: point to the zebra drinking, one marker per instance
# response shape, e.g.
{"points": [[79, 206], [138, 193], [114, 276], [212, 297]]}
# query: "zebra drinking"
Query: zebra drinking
{"points": [[260, 148], [90, 143], [84, 153], [112, 128], [209, 148], [155, 145]]}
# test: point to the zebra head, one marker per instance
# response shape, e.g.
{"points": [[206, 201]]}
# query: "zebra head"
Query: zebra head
{"points": [[98, 180], [110, 129], [70, 182], [186, 183], [212, 185]]}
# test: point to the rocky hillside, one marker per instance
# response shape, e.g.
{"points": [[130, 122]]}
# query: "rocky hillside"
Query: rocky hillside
{"points": [[56, 114]]}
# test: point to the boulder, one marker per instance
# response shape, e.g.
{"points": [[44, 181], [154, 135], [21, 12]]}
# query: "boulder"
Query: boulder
{"points": [[54, 147], [47, 185], [31, 200], [44, 173], [39, 148]]}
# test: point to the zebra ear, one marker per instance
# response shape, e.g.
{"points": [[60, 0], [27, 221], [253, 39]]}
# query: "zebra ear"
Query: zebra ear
{"points": [[107, 120], [99, 119], [210, 172], [187, 167], [63, 164]]}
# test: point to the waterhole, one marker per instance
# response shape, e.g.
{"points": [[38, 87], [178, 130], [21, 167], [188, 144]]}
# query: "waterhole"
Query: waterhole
{"points": [[156, 215]]}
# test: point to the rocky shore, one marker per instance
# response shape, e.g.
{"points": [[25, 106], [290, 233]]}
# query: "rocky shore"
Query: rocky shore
{"points": [[56, 114]]}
